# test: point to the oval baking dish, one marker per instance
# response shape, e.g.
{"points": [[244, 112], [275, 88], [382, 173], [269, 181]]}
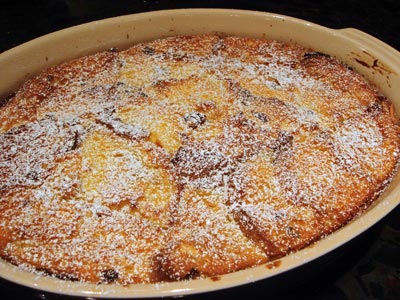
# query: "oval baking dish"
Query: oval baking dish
{"points": [[375, 60]]}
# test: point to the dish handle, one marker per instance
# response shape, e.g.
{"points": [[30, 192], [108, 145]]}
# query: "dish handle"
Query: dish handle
{"points": [[373, 43]]}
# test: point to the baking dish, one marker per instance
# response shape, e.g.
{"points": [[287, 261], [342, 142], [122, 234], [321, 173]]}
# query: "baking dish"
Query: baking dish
{"points": [[377, 61]]}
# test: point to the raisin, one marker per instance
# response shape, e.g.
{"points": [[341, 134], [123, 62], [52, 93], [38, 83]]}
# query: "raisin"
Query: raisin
{"points": [[109, 275], [309, 55], [198, 159], [194, 273], [148, 50], [195, 119], [261, 116]]}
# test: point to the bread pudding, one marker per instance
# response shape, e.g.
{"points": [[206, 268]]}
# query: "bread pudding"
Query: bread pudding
{"points": [[187, 157]]}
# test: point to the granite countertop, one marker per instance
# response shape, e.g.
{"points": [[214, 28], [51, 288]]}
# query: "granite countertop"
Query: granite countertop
{"points": [[368, 268]]}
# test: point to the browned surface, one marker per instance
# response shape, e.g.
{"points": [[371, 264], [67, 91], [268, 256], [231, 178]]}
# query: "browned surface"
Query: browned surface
{"points": [[186, 157]]}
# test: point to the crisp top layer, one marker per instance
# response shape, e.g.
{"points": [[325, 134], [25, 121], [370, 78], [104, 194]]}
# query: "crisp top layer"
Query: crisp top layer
{"points": [[185, 157]]}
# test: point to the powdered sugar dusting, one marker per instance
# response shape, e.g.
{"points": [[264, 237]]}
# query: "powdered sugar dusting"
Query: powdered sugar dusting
{"points": [[187, 157]]}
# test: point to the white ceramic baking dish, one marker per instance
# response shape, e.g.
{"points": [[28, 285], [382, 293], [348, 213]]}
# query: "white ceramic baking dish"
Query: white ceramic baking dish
{"points": [[377, 61]]}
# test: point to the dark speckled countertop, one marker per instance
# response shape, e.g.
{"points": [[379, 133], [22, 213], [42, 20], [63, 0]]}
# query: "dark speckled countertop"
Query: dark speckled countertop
{"points": [[366, 268]]}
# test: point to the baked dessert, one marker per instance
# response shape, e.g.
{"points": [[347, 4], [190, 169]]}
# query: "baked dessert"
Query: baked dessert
{"points": [[187, 157]]}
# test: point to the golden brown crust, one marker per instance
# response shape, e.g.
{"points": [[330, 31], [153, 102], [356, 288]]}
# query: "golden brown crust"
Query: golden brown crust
{"points": [[185, 157]]}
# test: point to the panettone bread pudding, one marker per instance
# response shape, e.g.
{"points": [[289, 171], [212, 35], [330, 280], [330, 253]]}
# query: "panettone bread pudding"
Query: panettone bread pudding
{"points": [[187, 157]]}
